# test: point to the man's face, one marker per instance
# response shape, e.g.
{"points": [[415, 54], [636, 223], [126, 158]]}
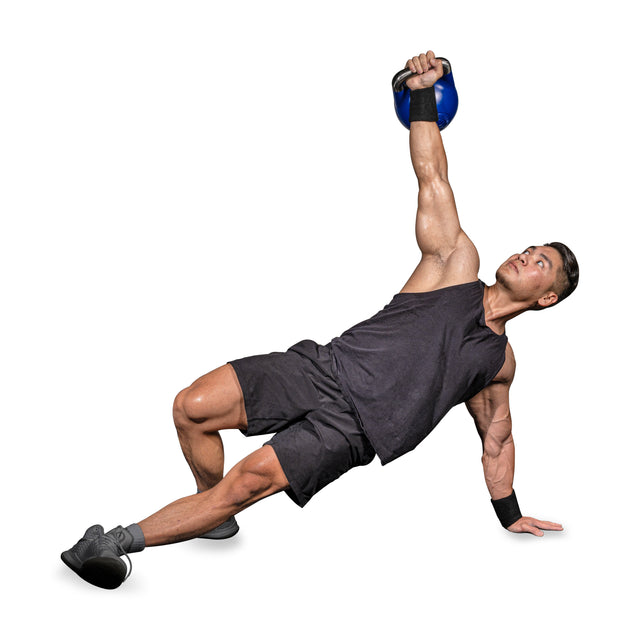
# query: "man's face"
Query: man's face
{"points": [[531, 274]]}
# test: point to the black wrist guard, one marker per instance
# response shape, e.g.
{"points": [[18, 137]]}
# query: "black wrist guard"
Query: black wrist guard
{"points": [[423, 105], [507, 510]]}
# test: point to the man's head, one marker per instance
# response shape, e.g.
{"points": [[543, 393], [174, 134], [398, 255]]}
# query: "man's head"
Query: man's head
{"points": [[540, 276]]}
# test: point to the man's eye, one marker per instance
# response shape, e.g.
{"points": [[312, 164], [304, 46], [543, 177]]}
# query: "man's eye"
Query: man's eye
{"points": [[540, 263], [526, 252]]}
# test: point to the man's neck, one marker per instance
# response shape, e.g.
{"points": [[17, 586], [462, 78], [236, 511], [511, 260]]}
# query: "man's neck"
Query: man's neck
{"points": [[499, 307]]}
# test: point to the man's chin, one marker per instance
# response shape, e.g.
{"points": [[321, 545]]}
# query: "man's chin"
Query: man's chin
{"points": [[500, 278]]}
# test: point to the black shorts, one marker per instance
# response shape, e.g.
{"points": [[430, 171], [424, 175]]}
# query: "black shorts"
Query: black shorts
{"points": [[295, 396]]}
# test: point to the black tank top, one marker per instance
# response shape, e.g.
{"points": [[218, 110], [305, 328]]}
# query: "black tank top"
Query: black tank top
{"points": [[407, 366]]}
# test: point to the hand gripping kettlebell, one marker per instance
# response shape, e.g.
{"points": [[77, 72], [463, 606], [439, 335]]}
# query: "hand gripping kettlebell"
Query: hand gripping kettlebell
{"points": [[446, 95]]}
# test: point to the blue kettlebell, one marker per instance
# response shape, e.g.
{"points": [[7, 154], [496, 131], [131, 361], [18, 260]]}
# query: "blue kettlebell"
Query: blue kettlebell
{"points": [[446, 95]]}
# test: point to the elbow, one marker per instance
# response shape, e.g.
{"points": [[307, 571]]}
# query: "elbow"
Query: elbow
{"points": [[431, 174], [493, 446], [434, 191], [490, 452]]}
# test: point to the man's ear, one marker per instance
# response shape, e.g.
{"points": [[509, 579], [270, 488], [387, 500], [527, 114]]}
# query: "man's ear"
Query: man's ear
{"points": [[548, 299]]}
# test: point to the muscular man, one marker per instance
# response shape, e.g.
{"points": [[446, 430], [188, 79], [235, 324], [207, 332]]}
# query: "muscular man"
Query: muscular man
{"points": [[378, 389]]}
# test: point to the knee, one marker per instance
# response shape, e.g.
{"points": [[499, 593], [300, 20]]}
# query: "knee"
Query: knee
{"points": [[187, 409]]}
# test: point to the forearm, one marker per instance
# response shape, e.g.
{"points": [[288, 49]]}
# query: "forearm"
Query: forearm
{"points": [[499, 465], [427, 152]]}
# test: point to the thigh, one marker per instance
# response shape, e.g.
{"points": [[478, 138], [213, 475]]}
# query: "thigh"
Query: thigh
{"points": [[319, 449], [278, 390]]}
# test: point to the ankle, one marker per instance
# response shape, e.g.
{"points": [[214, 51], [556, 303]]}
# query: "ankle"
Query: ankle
{"points": [[131, 538]]}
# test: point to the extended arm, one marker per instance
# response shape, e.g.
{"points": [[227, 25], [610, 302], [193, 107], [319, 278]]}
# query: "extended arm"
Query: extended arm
{"points": [[448, 256], [492, 416], [437, 225]]}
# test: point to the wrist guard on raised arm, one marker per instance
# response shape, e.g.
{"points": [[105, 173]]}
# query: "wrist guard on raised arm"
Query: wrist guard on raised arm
{"points": [[423, 105], [507, 510]]}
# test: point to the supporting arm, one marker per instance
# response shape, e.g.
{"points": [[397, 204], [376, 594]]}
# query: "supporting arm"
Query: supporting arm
{"points": [[491, 414], [492, 417]]}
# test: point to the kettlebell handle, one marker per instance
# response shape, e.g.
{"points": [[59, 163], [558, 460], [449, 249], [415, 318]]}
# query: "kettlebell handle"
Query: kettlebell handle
{"points": [[404, 74]]}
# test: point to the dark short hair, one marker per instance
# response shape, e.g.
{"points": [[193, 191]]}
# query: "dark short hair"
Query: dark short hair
{"points": [[567, 278]]}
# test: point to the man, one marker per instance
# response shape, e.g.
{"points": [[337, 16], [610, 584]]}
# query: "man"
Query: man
{"points": [[380, 388]]}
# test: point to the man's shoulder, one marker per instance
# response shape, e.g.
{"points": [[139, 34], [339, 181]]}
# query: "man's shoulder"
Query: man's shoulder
{"points": [[497, 391], [507, 372], [445, 269]]}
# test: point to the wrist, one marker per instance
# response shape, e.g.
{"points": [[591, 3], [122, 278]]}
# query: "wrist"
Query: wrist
{"points": [[423, 106], [416, 83], [507, 510]]}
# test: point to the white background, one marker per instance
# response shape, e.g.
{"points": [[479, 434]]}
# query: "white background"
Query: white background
{"points": [[185, 183]]}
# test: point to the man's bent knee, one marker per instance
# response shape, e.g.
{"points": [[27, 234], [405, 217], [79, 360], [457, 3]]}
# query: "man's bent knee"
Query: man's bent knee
{"points": [[216, 398], [195, 405], [179, 413]]}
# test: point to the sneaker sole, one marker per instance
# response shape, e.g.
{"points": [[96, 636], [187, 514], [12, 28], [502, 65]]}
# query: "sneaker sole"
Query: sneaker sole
{"points": [[222, 533], [106, 573]]}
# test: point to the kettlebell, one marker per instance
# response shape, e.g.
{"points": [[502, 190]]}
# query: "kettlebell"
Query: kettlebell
{"points": [[446, 95]]}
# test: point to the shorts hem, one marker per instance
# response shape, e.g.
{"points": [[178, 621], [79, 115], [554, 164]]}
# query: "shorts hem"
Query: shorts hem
{"points": [[297, 496]]}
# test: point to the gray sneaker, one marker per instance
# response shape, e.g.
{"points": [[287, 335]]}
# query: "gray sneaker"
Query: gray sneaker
{"points": [[96, 559], [225, 530]]}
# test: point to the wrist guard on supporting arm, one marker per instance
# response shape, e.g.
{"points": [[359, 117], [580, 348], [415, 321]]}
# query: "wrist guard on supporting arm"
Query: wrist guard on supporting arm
{"points": [[423, 105], [507, 510]]}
